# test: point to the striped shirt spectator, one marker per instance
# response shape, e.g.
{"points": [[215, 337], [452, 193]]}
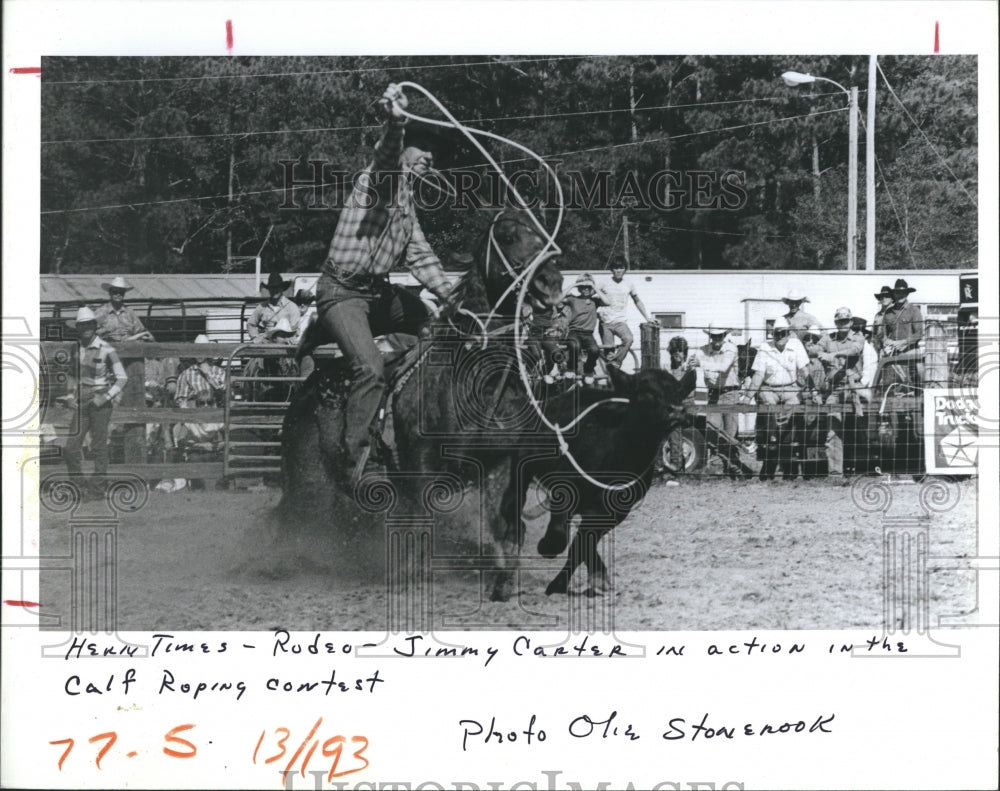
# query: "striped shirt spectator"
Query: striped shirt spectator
{"points": [[198, 384], [101, 371]]}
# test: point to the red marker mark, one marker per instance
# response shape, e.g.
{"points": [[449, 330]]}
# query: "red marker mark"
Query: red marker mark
{"points": [[26, 70], [229, 35], [19, 603], [937, 40], [132, 754]]}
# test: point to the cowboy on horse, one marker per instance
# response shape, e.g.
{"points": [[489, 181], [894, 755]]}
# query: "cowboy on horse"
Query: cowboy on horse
{"points": [[377, 229]]}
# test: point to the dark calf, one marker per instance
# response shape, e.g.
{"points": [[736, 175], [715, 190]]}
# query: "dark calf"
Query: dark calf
{"points": [[616, 445]]}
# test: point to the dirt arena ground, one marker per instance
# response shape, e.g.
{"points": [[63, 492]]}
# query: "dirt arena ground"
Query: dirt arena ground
{"points": [[706, 555]]}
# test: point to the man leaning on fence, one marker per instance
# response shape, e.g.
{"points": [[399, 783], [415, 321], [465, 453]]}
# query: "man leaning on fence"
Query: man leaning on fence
{"points": [[261, 325], [720, 370], [101, 380], [779, 369], [116, 323]]}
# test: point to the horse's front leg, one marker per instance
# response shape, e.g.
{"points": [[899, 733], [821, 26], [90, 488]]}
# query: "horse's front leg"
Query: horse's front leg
{"points": [[508, 533]]}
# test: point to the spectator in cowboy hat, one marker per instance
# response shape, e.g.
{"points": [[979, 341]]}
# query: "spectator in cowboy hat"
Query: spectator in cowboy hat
{"points": [[115, 322], [101, 380], [277, 306], [902, 322], [717, 360], [580, 314], [200, 382], [885, 301], [797, 319]]}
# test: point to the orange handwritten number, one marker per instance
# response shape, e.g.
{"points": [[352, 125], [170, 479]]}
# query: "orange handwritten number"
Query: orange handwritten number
{"points": [[357, 753], [111, 736], [334, 754], [281, 744], [172, 737], [69, 746]]}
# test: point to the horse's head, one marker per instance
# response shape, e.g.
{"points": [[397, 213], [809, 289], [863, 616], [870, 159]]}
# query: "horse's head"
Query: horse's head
{"points": [[511, 245], [656, 398]]}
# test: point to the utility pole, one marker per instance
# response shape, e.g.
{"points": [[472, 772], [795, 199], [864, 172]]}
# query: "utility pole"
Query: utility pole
{"points": [[852, 185], [625, 241], [870, 169]]}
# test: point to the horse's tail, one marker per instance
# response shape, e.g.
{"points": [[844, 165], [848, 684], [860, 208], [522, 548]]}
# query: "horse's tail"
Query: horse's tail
{"points": [[315, 335]]}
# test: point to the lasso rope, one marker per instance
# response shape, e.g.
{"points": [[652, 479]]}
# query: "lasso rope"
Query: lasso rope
{"points": [[522, 281]]}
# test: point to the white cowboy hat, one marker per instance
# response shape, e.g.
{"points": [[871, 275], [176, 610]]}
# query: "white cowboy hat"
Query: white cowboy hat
{"points": [[781, 323], [282, 328], [715, 329], [202, 339], [83, 316], [795, 295], [118, 283], [584, 280]]}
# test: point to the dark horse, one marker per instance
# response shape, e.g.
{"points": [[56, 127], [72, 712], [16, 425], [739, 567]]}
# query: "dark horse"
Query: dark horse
{"points": [[458, 413], [616, 444]]}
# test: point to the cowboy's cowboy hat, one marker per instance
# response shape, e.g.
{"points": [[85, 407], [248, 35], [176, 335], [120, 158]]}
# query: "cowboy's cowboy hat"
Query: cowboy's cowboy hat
{"points": [[715, 329], [794, 295], [202, 339], [304, 297], [901, 285], [83, 316], [781, 323], [885, 292], [275, 282], [118, 284], [584, 280]]}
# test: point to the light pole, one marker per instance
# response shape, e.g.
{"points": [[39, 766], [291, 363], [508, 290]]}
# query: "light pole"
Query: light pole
{"points": [[793, 78]]}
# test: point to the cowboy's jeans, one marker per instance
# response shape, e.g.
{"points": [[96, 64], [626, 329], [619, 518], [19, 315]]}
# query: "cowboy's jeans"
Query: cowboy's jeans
{"points": [[353, 318], [617, 329], [94, 420]]}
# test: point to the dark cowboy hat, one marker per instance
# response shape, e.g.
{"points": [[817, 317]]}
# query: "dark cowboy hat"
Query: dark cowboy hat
{"points": [[275, 282], [885, 292], [901, 285], [304, 297]]}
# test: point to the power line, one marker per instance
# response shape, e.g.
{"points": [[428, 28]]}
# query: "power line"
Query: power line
{"points": [[370, 127], [657, 139], [319, 72], [465, 167], [927, 140]]}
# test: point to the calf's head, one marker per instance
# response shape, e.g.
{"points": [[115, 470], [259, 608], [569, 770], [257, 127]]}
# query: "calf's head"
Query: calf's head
{"points": [[656, 398]]}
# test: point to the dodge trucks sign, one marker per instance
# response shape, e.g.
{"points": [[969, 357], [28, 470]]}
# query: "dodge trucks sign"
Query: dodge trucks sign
{"points": [[951, 435]]}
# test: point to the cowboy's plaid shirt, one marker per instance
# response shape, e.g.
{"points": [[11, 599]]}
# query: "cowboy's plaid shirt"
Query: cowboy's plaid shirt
{"points": [[101, 372], [194, 384], [376, 228]]}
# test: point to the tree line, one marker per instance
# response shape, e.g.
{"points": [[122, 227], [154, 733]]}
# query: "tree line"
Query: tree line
{"points": [[171, 164]]}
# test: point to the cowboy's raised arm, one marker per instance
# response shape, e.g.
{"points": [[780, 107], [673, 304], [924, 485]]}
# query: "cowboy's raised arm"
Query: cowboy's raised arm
{"points": [[390, 147]]}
